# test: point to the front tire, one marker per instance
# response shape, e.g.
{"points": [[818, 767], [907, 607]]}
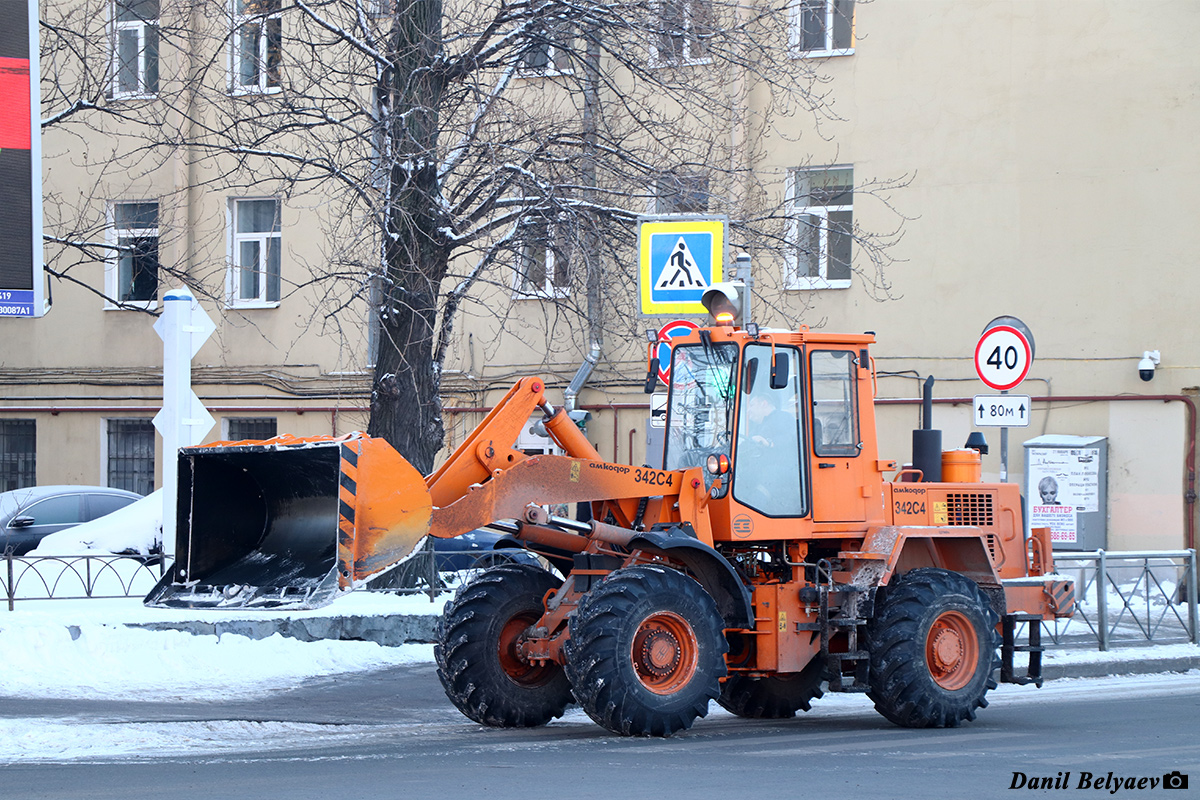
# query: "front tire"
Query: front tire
{"points": [[477, 660], [646, 652], [933, 648]]}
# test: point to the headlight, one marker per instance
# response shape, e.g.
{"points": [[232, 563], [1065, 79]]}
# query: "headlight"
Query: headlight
{"points": [[717, 464]]}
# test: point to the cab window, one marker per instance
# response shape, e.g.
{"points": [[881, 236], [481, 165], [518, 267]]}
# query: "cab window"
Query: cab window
{"points": [[767, 469], [834, 403], [700, 414]]}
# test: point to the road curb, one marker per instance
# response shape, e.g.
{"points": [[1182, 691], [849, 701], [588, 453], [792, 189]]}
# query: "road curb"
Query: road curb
{"points": [[1119, 666], [391, 630]]}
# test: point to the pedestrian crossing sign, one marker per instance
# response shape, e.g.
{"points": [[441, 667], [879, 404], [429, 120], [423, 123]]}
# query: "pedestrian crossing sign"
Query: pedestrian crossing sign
{"points": [[678, 260]]}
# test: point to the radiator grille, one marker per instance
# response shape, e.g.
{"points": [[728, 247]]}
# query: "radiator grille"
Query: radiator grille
{"points": [[970, 508]]}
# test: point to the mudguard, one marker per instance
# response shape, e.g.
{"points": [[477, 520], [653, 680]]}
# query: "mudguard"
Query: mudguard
{"points": [[710, 568]]}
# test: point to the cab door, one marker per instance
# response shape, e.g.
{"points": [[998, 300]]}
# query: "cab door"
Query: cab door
{"points": [[839, 469]]}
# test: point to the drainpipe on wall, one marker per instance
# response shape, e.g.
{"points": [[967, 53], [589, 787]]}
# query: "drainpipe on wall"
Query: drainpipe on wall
{"points": [[571, 393]]}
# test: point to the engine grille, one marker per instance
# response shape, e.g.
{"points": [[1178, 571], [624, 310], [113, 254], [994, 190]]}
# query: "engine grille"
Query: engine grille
{"points": [[970, 508]]}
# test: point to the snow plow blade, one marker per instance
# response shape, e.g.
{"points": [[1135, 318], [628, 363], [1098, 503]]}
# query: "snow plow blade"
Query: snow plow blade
{"points": [[289, 522]]}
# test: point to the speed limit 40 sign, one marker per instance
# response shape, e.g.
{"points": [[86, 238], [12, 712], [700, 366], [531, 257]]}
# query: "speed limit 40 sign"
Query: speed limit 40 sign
{"points": [[1003, 357]]}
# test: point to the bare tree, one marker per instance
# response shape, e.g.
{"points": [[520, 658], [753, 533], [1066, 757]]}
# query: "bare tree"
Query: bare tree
{"points": [[455, 144]]}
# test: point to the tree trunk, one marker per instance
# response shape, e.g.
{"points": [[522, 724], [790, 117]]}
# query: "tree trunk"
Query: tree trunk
{"points": [[406, 405]]}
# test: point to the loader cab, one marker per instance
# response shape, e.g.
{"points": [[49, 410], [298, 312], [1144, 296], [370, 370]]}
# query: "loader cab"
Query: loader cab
{"points": [[785, 410], [743, 400]]}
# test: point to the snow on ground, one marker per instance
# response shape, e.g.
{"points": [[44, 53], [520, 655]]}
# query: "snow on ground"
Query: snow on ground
{"points": [[82, 649]]}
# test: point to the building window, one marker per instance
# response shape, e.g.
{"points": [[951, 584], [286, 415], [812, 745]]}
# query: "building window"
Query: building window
{"points": [[823, 226], [135, 48], [254, 279], [240, 429], [544, 261], [681, 194], [18, 454], [686, 27], [133, 269], [548, 50], [823, 28], [130, 455], [257, 45]]}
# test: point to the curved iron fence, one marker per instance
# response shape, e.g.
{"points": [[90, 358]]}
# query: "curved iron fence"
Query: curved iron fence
{"points": [[79, 577]]}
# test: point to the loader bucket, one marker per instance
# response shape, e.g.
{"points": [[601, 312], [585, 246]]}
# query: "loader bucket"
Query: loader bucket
{"points": [[289, 522]]}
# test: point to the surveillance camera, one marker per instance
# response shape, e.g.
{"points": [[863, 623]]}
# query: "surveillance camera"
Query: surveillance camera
{"points": [[1146, 366]]}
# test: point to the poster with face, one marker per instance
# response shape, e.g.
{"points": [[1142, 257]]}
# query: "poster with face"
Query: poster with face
{"points": [[1060, 484]]}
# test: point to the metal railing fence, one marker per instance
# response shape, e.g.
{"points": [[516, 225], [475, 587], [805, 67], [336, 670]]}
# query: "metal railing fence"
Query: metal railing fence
{"points": [[78, 577], [1128, 597]]}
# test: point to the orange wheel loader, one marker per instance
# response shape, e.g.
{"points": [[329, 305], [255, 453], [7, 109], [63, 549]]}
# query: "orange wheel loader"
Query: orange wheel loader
{"points": [[769, 557]]}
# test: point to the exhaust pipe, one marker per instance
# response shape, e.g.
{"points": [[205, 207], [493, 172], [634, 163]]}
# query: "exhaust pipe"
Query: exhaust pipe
{"points": [[927, 442]]}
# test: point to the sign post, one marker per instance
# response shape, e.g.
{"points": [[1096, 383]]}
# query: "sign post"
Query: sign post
{"points": [[1003, 356], [183, 420]]}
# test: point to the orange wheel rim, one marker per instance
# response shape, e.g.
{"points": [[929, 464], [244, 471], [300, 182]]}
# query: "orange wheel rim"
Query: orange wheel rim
{"points": [[952, 650], [665, 652], [517, 669]]}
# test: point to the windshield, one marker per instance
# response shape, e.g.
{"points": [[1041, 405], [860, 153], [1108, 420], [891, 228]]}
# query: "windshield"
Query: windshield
{"points": [[700, 415]]}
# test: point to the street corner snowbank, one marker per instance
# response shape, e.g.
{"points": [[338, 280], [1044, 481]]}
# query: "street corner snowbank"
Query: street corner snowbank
{"points": [[93, 661], [136, 528]]}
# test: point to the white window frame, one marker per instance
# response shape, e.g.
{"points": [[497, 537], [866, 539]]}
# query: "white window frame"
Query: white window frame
{"points": [[260, 18], [233, 298], [112, 264], [686, 58], [829, 50], [549, 290], [792, 277], [554, 54], [139, 26]]}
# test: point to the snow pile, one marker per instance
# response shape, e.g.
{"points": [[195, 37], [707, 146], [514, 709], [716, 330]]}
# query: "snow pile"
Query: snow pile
{"points": [[94, 662], [81, 649], [136, 528]]}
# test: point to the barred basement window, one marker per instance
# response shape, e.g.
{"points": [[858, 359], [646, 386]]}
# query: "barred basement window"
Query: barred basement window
{"points": [[130, 455], [18, 454], [239, 429]]}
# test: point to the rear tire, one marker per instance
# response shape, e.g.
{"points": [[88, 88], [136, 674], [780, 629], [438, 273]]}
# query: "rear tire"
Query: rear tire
{"points": [[933, 647], [476, 655], [646, 652], [774, 696]]}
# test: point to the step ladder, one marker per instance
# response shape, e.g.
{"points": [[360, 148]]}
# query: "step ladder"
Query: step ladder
{"points": [[1009, 648]]}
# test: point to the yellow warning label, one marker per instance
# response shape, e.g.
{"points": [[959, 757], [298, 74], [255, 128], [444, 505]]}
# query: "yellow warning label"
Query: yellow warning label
{"points": [[575, 472], [782, 621], [939, 513]]}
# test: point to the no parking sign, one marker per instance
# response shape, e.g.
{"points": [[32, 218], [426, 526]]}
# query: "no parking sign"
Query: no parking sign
{"points": [[678, 327]]}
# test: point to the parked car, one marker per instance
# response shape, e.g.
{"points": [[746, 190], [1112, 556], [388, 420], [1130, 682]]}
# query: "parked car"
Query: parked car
{"points": [[26, 515]]}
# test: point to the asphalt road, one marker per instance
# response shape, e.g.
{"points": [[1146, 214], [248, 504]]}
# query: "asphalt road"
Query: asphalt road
{"points": [[393, 734]]}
